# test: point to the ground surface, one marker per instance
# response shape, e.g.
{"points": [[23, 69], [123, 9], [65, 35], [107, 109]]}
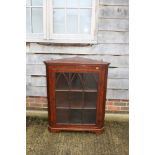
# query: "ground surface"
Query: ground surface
{"points": [[114, 141]]}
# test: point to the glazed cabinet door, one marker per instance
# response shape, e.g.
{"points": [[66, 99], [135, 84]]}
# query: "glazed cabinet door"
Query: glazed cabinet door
{"points": [[76, 97]]}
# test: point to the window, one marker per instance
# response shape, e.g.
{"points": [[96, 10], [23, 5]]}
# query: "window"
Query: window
{"points": [[34, 18], [60, 20]]}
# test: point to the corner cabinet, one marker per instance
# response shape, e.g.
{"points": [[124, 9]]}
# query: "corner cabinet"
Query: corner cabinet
{"points": [[76, 89]]}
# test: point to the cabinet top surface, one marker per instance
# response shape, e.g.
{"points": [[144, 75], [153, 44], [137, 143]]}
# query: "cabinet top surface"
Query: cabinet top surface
{"points": [[75, 60]]}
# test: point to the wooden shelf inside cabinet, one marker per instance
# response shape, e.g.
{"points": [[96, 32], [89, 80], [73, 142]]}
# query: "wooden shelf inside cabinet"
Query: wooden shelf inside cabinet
{"points": [[76, 89], [76, 108]]}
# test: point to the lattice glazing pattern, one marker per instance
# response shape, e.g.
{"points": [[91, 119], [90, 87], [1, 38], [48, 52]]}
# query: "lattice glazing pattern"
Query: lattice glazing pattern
{"points": [[82, 81]]}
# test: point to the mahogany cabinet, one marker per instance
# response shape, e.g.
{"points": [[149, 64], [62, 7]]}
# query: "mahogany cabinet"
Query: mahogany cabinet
{"points": [[76, 89]]}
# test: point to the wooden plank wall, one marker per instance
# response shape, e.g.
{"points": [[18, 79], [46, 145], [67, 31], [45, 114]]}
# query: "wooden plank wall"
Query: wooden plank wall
{"points": [[112, 46]]}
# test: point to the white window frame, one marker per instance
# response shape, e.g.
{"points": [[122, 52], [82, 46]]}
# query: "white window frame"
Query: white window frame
{"points": [[48, 35]]}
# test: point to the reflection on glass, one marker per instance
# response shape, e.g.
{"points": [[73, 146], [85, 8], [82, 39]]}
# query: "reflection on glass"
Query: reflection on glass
{"points": [[85, 21], [37, 20], [85, 3], [28, 21], [72, 21], [59, 3], [59, 21]]}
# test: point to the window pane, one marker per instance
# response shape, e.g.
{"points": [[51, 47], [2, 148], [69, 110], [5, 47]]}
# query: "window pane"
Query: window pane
{"points": [[37, 20], [72, 21], [28, 19], [59, 21], [72, 3], [85, 3], [59, 3], [37, 2], [85, 21], [28, 2]]}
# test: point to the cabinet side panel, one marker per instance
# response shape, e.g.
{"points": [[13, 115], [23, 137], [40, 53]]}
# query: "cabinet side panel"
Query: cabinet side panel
{"points": [[51, 96], [102, 95], [48, 94], [104, 82]]}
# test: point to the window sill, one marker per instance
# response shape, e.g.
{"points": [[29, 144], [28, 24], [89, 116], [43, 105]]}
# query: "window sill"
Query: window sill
{"points": [[62, 41]]}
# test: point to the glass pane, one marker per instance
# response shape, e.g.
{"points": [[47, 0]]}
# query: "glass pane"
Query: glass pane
{"points": [[28, 21], [62, 116], [85, 21], [76, 99], [76, 81], [72, 3], [72, 21], [89, 116], [75, 116], [62, 81], [28, 2], [59, 21], [37, 2], [37, 20], [90, 99], [59, 3], [62, 99], [70, 99], [85, 3], [90, 81]]}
